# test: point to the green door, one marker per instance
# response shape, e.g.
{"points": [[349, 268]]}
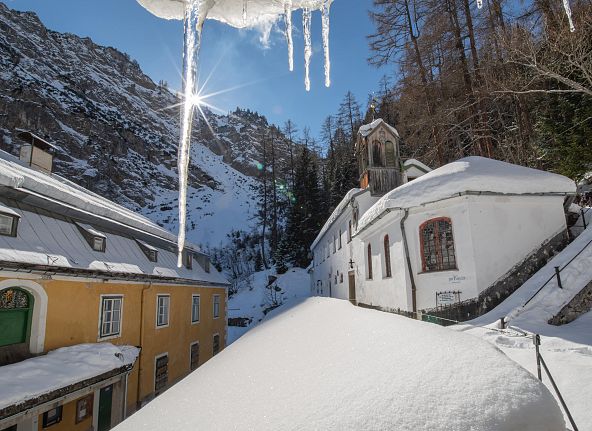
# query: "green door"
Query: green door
{"points": [[15, 316], [105, 400]]}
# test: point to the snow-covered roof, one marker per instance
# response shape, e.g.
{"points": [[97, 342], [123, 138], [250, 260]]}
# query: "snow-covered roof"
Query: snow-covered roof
{"points": [[414, 162], [53, 187], [56, 242], [34, 377], [471, 174], [332, 366], [232, 12], [367, 129], [336, 213]]}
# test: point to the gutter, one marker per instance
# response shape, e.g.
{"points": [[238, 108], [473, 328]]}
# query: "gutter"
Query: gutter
{"points": [[83, 273], [408, 259]]}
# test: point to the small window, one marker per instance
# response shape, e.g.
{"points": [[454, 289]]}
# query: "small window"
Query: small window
{"points": [[97, 240], [84, 408], [437, 245], [216, 345], [8, 223], [369, 257], [162, 310], [194, 308], [188, 259], [341, 278], [216, 306], [161, 373], [51, 417], [349, 231], [339, 240], [387, 257], [111, 308], [334, 244], [204, 262], [194, 356], [150, 251]]}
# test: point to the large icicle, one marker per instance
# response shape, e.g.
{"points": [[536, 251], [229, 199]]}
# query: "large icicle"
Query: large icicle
{"points": [[567, 8], [288, 18], [326, 11], [306, 18], [193, 26]]}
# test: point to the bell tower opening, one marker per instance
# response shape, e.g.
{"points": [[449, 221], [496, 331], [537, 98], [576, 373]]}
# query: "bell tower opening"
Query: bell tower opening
{"points": [[377, 150]]}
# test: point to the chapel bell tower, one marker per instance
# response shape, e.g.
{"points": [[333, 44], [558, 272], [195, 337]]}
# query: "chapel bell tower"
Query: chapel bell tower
{"points": [[377, 149]]}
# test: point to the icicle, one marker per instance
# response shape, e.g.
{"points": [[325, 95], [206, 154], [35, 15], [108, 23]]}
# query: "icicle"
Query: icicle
{"points": [[479, 4], [326, 10], [288, 17], [306, 17], [245, 12], [567, 8], [193, 26]]}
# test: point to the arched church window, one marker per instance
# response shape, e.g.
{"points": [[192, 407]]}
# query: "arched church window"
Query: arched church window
{"points": [[369, 264], [389, 151], [15, 316], [377, 154], [437, 245], [387, 257]]}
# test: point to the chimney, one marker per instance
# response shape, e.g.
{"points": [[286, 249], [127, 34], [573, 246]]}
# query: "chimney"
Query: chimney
{"points": [[36, 152]]}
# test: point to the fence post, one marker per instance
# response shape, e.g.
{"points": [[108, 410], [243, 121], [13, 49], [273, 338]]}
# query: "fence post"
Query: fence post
{"points": [[571, 421], [583, 216], [537, 342], [502, 323], [558, 274]]}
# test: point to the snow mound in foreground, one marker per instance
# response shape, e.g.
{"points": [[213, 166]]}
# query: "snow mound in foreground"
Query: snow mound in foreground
{"points": [[328, 365]]}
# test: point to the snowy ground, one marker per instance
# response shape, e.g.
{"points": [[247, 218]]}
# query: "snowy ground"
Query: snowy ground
{"points": [[253, 299], [566, 349], [325, 364]]}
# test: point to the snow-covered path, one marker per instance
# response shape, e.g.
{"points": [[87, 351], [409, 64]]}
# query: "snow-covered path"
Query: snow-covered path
{"points": [[566, 349]]}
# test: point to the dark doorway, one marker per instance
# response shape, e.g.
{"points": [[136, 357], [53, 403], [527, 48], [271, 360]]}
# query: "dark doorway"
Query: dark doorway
{"points": [[105, 402], [352, 286]]}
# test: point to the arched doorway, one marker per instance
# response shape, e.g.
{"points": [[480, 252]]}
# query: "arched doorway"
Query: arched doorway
{"points": [[16, 312]]}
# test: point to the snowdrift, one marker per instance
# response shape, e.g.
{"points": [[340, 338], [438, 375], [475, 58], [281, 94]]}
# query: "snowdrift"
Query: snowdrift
{"points": [[325, 364]]}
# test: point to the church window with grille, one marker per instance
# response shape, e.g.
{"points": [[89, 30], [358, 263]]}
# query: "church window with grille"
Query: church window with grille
{"points": [[437, 245]]}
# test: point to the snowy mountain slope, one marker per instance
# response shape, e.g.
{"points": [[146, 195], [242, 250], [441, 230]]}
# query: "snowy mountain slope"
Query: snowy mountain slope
{"points": [[252, 300], [116, 132]]}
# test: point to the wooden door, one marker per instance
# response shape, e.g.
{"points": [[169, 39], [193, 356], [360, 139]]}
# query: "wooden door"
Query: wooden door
{"points": [[352, 286], [105, 403]]}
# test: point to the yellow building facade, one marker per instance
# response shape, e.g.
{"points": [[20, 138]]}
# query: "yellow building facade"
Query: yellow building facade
{"points": [[101, 290]]}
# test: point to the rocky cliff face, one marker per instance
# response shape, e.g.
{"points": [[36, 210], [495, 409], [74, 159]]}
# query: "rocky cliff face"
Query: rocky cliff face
{"points": [[117, 130]]}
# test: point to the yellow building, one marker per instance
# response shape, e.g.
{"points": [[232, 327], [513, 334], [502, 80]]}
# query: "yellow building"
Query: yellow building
{"points": [[100, 284]]}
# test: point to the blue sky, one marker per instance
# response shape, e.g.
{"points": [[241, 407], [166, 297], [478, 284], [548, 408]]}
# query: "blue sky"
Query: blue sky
{"points": [[261, 73]]}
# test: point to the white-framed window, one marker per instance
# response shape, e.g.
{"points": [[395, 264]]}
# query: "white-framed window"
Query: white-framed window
{"points": [[110, 318], [194, 308], [8, 224], [194, 355], [163, 303], [216, 302]]}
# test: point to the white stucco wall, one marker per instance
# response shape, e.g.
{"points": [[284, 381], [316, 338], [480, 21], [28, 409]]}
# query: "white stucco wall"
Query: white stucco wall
{"points": [[387, 292], [326, 267], [463, 278], [506, 229]]}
